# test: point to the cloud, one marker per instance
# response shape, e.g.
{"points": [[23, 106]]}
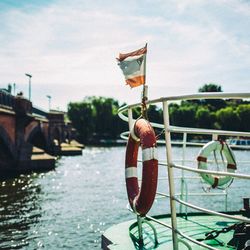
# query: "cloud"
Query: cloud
{"points": [[74, 43]]}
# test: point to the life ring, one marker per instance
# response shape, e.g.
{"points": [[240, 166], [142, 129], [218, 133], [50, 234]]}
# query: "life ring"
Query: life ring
{"points": [[222, 146], [141, 199]]}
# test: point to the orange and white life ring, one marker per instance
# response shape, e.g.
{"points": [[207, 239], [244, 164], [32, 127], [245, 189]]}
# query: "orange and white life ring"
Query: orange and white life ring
{"points": [[214, 180], [141, 199]]}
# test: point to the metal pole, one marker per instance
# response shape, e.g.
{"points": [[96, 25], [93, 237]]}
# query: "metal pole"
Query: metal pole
{"points": [[144, 69], [214, 137], [29, 88], [139, 222], [49, 101], [130, 119], [14, 89], [29, 75], [183, 163], [170, 175]]}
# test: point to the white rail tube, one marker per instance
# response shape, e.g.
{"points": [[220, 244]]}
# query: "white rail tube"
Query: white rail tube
{"points": [[170, 175], [203, 171], [130, 119], [208, 211], [180, 233]]}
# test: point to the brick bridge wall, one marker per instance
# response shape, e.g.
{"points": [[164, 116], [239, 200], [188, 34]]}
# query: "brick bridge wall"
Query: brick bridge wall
{"points": [[22, 126]]}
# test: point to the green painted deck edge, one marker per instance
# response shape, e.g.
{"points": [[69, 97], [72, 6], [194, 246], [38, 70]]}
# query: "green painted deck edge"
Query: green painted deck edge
{"points": [[118, 237]]}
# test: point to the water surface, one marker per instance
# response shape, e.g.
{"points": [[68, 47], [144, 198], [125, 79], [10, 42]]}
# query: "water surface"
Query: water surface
{"points": [[71, 206]]}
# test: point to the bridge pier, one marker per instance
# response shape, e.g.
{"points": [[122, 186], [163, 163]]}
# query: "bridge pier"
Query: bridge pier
{"points": [[29, 136]]}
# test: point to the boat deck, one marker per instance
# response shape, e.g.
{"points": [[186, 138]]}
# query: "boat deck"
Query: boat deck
{"points": [[124, 235]]}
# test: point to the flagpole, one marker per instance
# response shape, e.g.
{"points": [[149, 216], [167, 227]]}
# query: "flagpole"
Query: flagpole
{"points": [[146, 46], [144, 90]]}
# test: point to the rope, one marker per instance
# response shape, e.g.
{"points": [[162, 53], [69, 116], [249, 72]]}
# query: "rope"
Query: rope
{"points": [[144, 109], [230, 152], [162, 132]]}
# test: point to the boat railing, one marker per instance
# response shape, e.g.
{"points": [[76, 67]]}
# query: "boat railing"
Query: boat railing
{"points": [[126, 113]]}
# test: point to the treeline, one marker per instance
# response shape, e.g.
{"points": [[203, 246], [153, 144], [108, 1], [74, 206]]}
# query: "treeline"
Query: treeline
{"points": [[231, 114], [96, 118]]}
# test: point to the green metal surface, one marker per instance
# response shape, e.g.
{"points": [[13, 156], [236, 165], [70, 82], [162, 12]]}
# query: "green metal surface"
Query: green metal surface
{"points": [[124, 236]]}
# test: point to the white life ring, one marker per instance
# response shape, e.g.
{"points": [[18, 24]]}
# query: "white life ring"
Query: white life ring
{"points": [[214, 180], [141, 199]]}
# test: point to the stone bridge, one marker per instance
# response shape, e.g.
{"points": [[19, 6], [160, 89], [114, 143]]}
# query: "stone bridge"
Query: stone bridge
{"points": [[30, 136]]}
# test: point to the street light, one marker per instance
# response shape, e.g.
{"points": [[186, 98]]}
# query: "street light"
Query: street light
{"points": [[49, 99], [29, 84], [14, 89]]}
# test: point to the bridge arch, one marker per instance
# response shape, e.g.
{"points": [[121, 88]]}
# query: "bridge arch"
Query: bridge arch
{"points": [[37, 138], [7, 148]]}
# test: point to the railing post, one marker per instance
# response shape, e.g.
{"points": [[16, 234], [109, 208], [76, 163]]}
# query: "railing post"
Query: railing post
{"points": [[139, 222], [183, 163], [170, 174], [130, 119], [214, 137]]}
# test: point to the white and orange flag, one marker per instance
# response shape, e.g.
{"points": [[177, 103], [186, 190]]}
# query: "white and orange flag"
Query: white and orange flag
{"points": [[133, 66]]}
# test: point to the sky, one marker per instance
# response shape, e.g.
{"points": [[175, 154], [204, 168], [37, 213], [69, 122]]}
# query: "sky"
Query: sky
{"points": [[70, 47]]}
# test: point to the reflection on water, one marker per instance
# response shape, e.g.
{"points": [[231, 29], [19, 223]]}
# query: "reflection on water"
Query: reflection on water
{"points": [[70, 207], [19, 208]]}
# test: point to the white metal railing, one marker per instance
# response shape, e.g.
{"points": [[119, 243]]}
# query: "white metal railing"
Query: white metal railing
{"points": [[168, 129]]}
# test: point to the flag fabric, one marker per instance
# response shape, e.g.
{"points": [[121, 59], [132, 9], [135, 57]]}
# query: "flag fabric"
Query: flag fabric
{"points": [[133, 66]]}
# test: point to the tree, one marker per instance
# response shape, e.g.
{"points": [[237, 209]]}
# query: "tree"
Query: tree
{"points": [[82, 116], [243, 112], [204, 118], [228, 119], [210, 87], [183, 116], [212, 104], [155, 114], [104, 111], [96, 118]]}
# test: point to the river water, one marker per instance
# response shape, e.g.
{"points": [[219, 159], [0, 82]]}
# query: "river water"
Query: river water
{"points": [[71, 206]]}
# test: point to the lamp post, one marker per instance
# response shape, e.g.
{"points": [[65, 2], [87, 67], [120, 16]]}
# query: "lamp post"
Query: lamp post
{"points": [[49, 99], [14, 89], [29, 84]]}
